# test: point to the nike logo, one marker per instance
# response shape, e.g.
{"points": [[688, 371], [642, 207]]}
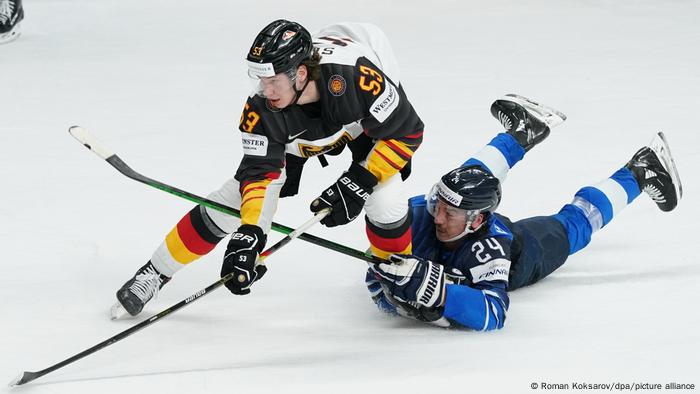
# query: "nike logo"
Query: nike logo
{"points": [[291, 137]]}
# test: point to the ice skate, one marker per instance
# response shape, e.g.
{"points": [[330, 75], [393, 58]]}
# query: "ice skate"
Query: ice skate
{"points": [[656, 174], [11, 15], [529, 122], [137, 291]]}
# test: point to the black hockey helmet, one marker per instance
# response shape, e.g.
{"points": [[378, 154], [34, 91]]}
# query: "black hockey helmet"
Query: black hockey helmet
{"points": [[469, 188], [280, 47], [468, 191]]}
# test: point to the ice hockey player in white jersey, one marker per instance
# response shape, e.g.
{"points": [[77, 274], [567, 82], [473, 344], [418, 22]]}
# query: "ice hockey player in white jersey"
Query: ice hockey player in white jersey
{"points": [[313, 96], [11, 15], [466, 257]]}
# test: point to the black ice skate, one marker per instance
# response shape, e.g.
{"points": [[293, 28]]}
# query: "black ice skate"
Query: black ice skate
{"points": [[529, 122], [656, 174], [11, 15], [138, 290]]}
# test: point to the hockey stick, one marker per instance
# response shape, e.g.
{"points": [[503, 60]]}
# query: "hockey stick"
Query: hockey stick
{"points": [[89, 141], [27, 376]]}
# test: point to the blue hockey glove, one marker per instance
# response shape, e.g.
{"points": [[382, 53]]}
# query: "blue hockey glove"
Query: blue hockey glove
{"points": [[376, 291]]}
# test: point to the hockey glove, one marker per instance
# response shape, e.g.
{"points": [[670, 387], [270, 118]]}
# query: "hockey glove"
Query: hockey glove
{"points": [[388, 304], [414, 281], [240, 258], [346, 197], [376, 291]]}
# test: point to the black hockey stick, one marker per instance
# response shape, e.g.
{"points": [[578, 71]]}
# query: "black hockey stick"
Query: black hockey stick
{"points": [[26, 376], [88, 140]]}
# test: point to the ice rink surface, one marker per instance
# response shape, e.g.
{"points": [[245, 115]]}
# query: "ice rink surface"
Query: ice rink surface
{"points": [[163, 83]]}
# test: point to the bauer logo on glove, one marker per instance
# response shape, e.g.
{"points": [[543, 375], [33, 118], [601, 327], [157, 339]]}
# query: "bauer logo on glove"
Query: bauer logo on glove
{"points": [[346, 197], [240, 258]]}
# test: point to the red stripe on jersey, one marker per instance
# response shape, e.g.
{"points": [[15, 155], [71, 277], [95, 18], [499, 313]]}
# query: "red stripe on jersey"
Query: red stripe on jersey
{"points": [[250, 199], [245, 191], [389, 244], [386, 159], [272, 175], [191, 238], [268, 176], [416, 135], [398, 150]]}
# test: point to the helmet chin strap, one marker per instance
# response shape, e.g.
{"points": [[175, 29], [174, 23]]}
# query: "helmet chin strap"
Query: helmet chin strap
{"points": [[467, 230], [299, 92]]}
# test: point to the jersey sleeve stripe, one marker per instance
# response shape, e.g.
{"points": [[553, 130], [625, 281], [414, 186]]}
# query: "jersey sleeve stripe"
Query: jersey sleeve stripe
{"points": [[414, 135], [380, 168], [385, 155], [251, 199], [400, 148], [248, 190], [252, 205]]}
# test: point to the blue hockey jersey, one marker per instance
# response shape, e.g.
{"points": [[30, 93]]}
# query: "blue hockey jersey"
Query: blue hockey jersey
{"points": [[480, 302]]}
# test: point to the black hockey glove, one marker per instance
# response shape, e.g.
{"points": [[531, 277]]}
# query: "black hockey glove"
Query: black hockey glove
{"points": [[415, 282], [241, 254], [346, 197]]}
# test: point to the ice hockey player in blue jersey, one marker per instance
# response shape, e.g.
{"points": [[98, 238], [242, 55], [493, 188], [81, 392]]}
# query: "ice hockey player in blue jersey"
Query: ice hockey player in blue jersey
{"points": [[466, 257]]}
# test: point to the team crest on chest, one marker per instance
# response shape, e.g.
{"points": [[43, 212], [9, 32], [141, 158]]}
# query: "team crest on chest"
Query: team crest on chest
{"points": [[337, 85]]}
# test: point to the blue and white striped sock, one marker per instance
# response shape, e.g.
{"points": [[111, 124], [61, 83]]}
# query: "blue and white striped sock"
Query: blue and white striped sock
{"points": [[595, 206], [499, 156]]}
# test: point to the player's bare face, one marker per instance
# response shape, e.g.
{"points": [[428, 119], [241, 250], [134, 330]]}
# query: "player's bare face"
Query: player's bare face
{"points": [[449, 221], [279, 90]]}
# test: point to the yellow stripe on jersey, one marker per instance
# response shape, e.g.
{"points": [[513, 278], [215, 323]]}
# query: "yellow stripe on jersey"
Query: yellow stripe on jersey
{"points": [[253, 197], [382, 254], [178, 249], [387, 158]]}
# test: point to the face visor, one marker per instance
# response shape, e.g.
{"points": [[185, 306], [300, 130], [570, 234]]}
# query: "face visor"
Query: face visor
{"points": [[264, 79], [449, 202]]}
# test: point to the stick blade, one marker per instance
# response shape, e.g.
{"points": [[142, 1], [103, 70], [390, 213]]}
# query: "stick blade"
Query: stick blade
{"points": [[89, 141], [22, 378]]}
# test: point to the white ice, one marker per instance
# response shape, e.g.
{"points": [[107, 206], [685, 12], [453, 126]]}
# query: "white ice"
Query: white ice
{"points": [[163, 83]]}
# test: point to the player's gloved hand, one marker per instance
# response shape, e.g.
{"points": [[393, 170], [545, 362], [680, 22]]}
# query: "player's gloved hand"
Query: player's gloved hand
{"points": [[415, 281], [388, 304], [376, 291], [241, 256], [346, 196]]}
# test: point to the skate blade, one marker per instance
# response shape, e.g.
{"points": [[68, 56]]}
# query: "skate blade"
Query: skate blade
{"points": [[549, 115], [660, 146], [12, 34], [117, 311]]}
